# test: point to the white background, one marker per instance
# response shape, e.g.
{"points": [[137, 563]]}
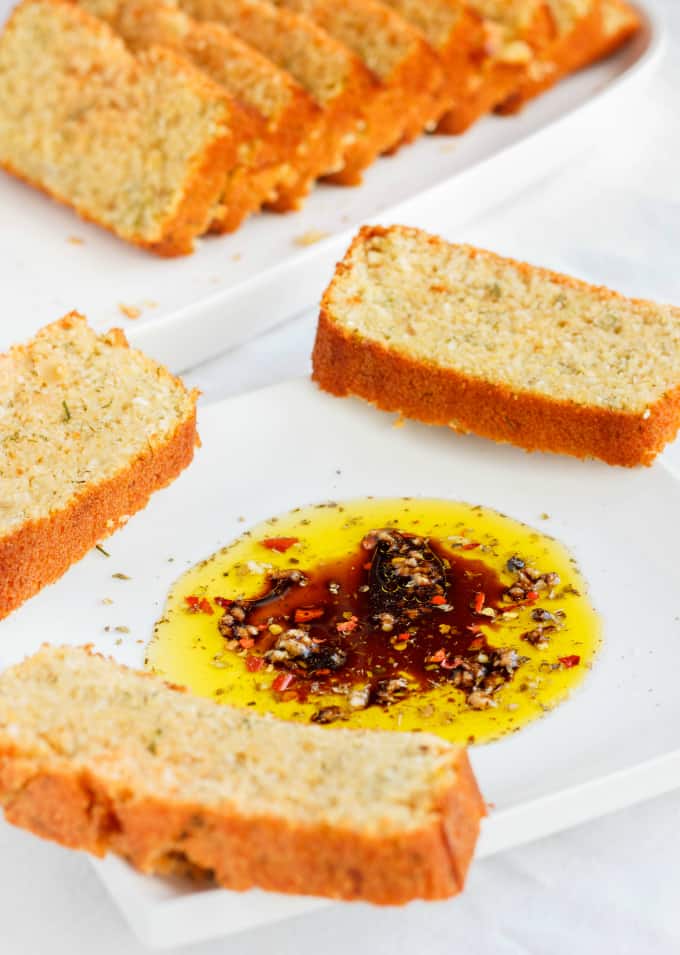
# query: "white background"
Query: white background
{"points": [[611, 217]]}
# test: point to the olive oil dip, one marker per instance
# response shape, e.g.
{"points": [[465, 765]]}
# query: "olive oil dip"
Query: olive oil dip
{"points": [[396, 614]]}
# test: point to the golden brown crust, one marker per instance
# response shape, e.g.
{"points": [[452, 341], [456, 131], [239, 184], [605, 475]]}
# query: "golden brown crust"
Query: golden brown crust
{"points": [[588, 41], [345, 364], [80, 811], [39, 552]]}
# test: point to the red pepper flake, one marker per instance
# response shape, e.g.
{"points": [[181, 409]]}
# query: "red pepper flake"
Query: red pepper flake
{"points": [[223, 602], [253, 663], [479, 601], [474, 628], [451, 664], [437, 656], [532, 595], [247, 642], [438, 600], [367, 566], [571, 661], [404, 636], [279, 544], [305, 614], [199, 605], [282, 682], [477, 644], [347, 626], [470, 546]]}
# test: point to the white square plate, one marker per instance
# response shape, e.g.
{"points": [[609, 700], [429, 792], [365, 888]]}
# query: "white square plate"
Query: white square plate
{"points": [[235, 287], [616, 741]]}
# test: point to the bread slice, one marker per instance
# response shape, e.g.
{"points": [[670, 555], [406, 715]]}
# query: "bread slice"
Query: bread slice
{"points": [[412, 96], [101, 758], [579, 35], [282, 117], [457, 336], [140, 146], [334, 77], [89, 429]]}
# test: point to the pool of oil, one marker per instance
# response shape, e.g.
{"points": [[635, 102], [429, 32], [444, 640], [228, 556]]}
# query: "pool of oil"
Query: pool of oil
{"points": [[187, 647]]}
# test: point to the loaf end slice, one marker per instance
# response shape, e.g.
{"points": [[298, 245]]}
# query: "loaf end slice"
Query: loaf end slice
{"points": [[89, 430], [138, 145], [453, 335], [101, 758]]}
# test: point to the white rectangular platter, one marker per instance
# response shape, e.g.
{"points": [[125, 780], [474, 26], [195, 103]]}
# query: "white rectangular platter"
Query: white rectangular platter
{"points": [[235, 287], [615, 742]]}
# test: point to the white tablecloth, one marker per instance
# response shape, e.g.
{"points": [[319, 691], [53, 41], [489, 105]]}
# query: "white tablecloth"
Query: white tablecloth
{"points": [[607, 887]]}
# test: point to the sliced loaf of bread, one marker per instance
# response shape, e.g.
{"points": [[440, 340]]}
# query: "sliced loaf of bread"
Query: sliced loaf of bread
{"points": [[453, 335], [101, 758], [140, 145], [332, 74], [412, 96], [283, 116], [89, 429]]}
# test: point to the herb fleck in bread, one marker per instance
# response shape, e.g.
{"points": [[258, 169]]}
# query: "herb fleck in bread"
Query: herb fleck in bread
{"points": [[412, 95], [333, 76], [102, 758], [453, 335], [89, 429], [140, 146]]}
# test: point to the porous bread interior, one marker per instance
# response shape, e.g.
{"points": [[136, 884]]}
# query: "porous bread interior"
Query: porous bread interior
{"points": [[75, 409], [118, 137], [518, 14], [484, 317], [243, 71], [437, 18], [141, 737], [318, 63], [383, 42]]}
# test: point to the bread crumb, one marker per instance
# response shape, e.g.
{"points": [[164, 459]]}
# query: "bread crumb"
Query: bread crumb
{"points": [[399, 422], [75, 240], [149, 303], [130, 311], [311, 237]]}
